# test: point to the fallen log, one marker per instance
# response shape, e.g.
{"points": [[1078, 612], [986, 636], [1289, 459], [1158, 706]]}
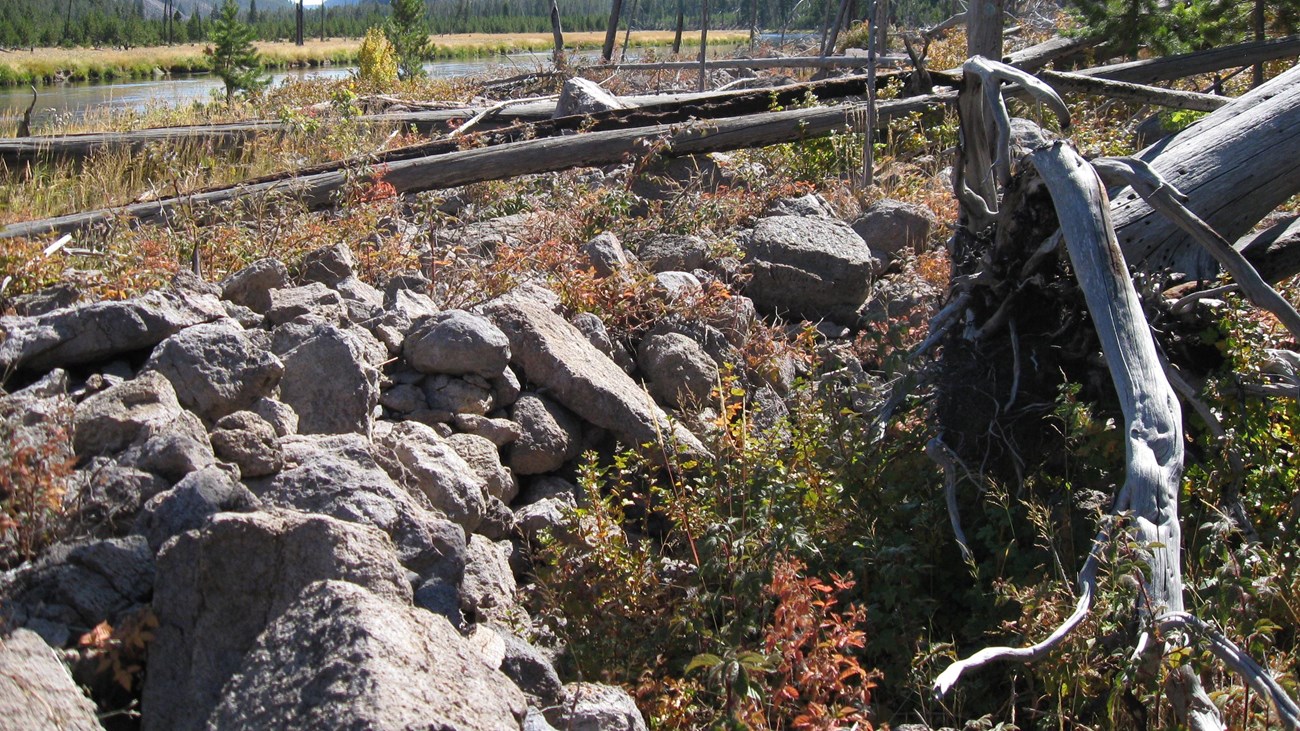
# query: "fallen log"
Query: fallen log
{"points": [[792, 62], [1130, 92], [1037, 56], [510, 160], [1275, 251], [1235, 165], [1199, 62], [15, 152]]}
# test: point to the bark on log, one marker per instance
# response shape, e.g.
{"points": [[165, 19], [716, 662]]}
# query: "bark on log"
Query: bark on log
{"points": [[1037, 56], [792, 62], [1129, 92], [1275, 251], [1236, 165], [514, 159], [1200, 62]]}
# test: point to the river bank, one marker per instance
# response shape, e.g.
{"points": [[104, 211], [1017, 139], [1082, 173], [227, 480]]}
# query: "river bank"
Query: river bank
{"points": [[51, 65]]}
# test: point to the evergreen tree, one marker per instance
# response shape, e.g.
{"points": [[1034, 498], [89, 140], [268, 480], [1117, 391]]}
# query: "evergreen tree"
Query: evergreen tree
{"points": [[252, 12], [194, 28], [408, 31], [1188, 25], [233, 57]]}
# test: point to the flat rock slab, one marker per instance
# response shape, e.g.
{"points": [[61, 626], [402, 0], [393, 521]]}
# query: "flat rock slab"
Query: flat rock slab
{"points": [[101, 331], [342, 657], [557, 356], [36, 691], [220, 586]]}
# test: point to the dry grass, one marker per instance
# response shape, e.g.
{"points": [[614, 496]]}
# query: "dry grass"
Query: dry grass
{"points": [[46, 64]]}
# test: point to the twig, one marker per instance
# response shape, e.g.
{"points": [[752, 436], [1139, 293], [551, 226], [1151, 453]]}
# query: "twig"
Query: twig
{"points": [[496, 109], [936, 450]]}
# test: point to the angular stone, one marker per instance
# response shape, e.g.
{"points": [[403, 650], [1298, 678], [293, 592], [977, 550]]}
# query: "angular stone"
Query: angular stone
{"points": [[549, 435], [680, 372], [171, 456], [596, 707], [583, 96], [329, 384], [328, 265], [215, 369], [220, 586], [340, 477], [890, 226], [456, 342], [456, 395], [36, 690], [808, 267], [249, 442], [488, 591], [605, 253], [341, 657], [498, 431], [187, 506], [80, 585], [554, 354], [430, 465], [100, 331], [311, 299], [131, 411], [666, 252], [482, 457], [252, 285]]}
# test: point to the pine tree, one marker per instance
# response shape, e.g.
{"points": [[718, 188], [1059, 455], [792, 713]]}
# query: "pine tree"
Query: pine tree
{"points": [[194, 28], [1188, 25], [233, 57], [252, 12], [408, 31]]}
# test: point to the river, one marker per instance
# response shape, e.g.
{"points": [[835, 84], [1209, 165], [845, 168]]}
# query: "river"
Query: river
{"points": [[76, 98]]}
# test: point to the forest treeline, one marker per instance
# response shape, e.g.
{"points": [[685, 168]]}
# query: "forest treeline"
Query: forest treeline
{"points": [[127, 23]]}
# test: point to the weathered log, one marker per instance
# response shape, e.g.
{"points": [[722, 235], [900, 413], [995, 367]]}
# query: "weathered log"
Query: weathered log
{"points": [[792, 62], [1199, 62], [1130, 92], [1275, 251], [1037, 56], [14, 152], [511, 160], [1235, 165]]}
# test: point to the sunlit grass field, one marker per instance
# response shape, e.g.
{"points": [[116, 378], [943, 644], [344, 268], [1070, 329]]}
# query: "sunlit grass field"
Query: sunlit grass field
{"points": [[44, 65]]}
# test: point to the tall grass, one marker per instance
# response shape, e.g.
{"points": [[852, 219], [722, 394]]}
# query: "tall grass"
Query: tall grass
{"points": [[46, 65]]}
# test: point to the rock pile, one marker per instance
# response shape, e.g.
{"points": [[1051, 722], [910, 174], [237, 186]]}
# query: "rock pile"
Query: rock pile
{"points": [[324, 492]]}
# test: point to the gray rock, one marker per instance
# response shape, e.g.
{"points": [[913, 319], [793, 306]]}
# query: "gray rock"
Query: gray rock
{"points": [[591, 326], [679, 285], [171, 456], [456, 342], [456, 395], [100, 331], [498, 431], [132, 411], [364, 303], [583, 96], [554, 354], [340, 477], [891, 226], [605, 253], [531, 671], [547, 507], [596, 707], [220, 586], [79, 585], [246, 318], [54, 383], [341, 657], [505, 388], [187, 506], [329, 384], [110, 495], [664, 252], [536, 721], [249, 442], [498, 522], [440, 597], [403, 398], [806, 205], [430, 465], [47, 299], [549, 435], [488, 591], [808, 267], [483, 237], [328, 265], [252, 285], [680, 372], [36, 690], [316, 299], [278, 414], [482, 456]]}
